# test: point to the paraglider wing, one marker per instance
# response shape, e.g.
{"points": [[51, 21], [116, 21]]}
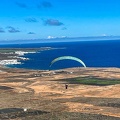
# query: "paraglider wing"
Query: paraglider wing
{"points": [[68, 57]]}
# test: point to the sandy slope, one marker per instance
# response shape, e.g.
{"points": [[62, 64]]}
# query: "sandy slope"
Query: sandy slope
{"points": [[77, 98]]}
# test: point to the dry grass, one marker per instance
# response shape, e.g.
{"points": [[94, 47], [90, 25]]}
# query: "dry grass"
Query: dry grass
{"points": [[44, 95]]}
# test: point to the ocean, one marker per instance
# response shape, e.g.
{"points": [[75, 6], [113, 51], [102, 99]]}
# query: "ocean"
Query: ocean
{"points": [[104, 53]]}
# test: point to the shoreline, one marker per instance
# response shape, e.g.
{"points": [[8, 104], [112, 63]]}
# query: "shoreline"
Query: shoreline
{"points": [[13, 56]]}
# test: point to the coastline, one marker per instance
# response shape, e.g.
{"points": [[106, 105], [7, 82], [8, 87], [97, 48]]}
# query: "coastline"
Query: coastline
{"points": [[11, 56], [25, 93]]}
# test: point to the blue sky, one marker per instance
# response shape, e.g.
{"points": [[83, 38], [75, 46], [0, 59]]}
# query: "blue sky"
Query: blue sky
{"points": [[36, 19]]}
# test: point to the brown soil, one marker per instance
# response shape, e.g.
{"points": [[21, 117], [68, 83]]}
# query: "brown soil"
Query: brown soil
{"points": [[44, 96]]}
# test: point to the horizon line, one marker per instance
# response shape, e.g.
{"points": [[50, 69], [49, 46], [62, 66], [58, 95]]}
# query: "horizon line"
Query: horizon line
{"points": [[63, 37]]}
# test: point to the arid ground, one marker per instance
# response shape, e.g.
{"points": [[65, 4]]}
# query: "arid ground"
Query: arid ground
{"points": [[41, 95]]}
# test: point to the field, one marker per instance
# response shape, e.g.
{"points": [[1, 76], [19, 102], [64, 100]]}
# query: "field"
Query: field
{"points": [[92, 94]]}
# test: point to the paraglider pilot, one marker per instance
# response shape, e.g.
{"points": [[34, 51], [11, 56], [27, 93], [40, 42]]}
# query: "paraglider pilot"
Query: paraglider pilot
{"points": [[66, 86]]}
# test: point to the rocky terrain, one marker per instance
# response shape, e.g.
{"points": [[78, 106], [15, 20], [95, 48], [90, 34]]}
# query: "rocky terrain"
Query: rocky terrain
{"points": [[41, 95]]}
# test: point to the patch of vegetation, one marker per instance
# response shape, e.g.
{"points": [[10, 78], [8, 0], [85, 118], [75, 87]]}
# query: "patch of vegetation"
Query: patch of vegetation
{"points": [[93, 81], [12, 113], [117, 105]]}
